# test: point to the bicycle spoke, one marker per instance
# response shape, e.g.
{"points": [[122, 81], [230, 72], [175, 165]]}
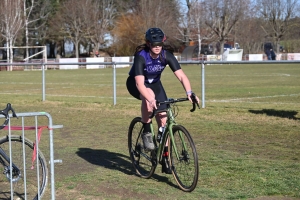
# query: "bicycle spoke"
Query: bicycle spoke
{"points": [[141, 159], [183, 159]]}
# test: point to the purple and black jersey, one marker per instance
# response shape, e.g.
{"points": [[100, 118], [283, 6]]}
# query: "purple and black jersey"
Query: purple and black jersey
{"points": [[151, 68]]}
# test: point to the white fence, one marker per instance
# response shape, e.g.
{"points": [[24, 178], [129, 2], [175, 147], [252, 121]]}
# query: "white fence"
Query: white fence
{"points": [[43, 67]]}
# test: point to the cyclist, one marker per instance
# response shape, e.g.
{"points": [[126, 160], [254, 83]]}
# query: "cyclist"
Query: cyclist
{"points": [[143, 83]]}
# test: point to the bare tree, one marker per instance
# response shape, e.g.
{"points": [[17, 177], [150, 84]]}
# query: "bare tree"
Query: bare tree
{"points": [[71, 21], [36, 13], [101, 22], [11, 24], [130, 28], [198, 30], [196, 22], [159, 13], [222, 15], [184, 34], [249, 35], [277, 16], [83, 21]]}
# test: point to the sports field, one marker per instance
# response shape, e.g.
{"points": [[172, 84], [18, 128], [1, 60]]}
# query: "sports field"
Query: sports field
{"points": [[247, 136]]}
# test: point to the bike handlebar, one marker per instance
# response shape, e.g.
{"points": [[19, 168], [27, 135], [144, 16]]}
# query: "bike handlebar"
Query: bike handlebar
{"points": [[6, 115], [171, 101]]}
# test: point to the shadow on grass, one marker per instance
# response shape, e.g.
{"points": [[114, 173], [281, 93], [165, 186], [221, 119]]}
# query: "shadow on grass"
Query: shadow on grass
{"points": [[290, 114], [114, 161]]}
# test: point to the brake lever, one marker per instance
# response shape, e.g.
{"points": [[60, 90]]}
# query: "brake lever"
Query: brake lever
{"points": [[194, 100], [194, 107], [6, 115], [13, 111]]}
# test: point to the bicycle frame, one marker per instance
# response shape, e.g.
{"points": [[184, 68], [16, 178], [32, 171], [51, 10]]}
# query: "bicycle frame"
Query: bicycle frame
{"points": [[168, 131], [169, 125], [6, 158], [175, 150], [13, 168]]}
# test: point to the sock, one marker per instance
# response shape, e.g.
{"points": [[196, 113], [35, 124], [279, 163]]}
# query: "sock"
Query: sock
{"points": [[166, 153], [147, 127]]}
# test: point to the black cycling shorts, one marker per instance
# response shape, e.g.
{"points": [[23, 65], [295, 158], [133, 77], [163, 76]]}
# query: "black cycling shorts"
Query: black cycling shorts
{"points": [[158, 89]]}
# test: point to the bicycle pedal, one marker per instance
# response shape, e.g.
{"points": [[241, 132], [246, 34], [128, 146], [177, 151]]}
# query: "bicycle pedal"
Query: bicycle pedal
{"points": [[165, 166], [146, 150]]}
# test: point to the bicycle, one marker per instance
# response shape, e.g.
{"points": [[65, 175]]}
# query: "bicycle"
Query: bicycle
{"points": [[23, 176], [182, 154]]}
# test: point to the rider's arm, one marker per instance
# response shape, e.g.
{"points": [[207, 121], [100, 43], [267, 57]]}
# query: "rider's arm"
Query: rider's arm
{"points": [[184, 80], [186, 83], [174, 65]]}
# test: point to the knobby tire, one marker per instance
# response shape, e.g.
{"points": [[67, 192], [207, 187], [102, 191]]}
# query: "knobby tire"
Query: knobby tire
{"points": [[185, 169], [144, 161]]}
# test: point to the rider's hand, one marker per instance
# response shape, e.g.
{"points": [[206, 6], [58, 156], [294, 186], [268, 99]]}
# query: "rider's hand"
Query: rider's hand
{"points": [[152, 103], [192, 95]]}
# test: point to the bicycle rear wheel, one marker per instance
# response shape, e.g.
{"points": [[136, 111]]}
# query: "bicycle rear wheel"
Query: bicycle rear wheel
{"points": [[36, 176], [144, 161], [183, 159]]}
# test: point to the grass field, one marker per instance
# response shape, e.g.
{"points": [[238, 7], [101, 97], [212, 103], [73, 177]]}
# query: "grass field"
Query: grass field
{"points": [[247, 137]]}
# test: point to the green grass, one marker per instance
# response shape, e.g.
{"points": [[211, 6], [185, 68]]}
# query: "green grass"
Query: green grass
{"points": [[247, 136]]}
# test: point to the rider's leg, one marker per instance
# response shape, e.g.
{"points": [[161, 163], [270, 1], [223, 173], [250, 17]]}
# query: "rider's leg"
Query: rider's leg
{"points": [[146, 110], [161, 119]]}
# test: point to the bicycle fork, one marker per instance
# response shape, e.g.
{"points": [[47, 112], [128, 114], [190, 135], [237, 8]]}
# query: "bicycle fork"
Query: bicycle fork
{"points": [[174, 146]]}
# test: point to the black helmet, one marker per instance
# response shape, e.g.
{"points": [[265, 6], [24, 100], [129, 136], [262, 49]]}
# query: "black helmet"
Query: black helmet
{"points": [[155, 36]]}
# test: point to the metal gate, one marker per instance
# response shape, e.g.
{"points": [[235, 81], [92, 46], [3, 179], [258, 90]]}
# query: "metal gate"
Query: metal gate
{"points": [[34, 118]]}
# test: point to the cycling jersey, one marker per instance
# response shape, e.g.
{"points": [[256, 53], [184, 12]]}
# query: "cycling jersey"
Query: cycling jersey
{"points": [[152, 68]]}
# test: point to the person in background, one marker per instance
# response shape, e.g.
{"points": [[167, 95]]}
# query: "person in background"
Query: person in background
{"points": [[273, 55], [144, 83], [268, 47], [97, 54], [268, 54]]}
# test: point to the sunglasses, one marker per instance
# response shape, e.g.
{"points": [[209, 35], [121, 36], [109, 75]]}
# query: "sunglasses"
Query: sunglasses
{"points": [[154, 44]]}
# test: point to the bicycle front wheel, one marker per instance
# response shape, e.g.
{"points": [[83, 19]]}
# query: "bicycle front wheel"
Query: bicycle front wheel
{"points": [[30, 178], [144, 161], [183, 159]]}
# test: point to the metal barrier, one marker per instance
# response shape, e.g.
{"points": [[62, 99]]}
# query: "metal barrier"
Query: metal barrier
{"points": [[114, 64], [38, 130]]}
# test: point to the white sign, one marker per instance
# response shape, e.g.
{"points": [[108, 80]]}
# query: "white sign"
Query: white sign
{"points": [[233, 55], [68, 60], [95, 60], [293, 56], [121, 59], [256, 57], [213, 57]]}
